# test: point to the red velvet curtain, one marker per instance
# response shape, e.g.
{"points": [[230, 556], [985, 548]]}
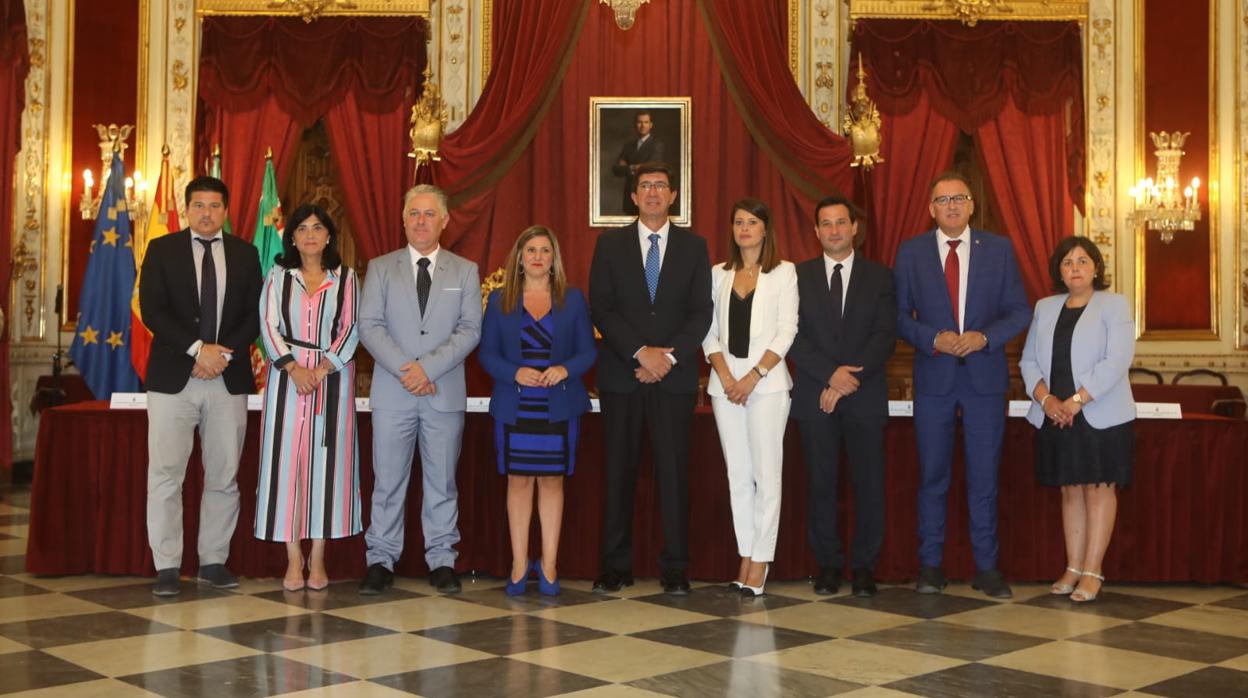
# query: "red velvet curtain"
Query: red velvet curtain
{"points": [[1016, 86], [525, 75], [917, 146], [263, 80], [14, 63], [1023, 157], [372, 170], [668, 52]]}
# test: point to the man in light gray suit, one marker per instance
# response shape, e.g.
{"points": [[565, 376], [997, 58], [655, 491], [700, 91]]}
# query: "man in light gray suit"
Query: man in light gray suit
{"points": [[419, 318]]}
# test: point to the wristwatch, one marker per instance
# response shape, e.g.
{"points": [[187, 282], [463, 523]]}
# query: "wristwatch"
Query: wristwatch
{"points": [[1077, 398], [761, 370]]}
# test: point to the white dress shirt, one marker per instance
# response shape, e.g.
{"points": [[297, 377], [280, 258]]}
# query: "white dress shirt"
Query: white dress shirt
{"points": [[218, 261], [643, 238], [416, 257]]}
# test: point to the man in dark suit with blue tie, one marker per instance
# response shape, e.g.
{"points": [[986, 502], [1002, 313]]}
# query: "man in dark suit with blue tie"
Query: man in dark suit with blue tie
{"points": [[650, 296], [960, 298]]}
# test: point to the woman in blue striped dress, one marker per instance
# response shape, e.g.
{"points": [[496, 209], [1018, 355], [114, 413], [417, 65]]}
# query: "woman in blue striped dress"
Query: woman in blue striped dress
{"points": [[309, 484], [537, 342]]}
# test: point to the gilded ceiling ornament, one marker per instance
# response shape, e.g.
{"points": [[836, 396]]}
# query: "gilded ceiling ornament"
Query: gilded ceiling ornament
{"points": [[625, 11], [310, 10], [428, 121], [862, 124], [969, 12]]}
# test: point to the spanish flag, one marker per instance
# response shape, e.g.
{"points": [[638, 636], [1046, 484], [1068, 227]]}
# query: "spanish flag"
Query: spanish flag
{"points": [[162, 221]]}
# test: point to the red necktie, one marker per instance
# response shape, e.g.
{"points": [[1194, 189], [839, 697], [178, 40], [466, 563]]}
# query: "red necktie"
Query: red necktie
{"points": [[952, 274]]}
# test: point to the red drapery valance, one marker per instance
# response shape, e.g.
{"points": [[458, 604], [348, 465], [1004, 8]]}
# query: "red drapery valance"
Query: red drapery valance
{"points": [[14, 64], [263, 80], [310, 67]]}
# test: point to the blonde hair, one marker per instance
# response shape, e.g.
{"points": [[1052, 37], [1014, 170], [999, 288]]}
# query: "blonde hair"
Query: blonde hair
{"points": [[513, 274]]}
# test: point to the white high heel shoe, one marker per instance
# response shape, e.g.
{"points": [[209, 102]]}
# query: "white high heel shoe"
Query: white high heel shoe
{"points": [[750, 592], [1064, 589]]}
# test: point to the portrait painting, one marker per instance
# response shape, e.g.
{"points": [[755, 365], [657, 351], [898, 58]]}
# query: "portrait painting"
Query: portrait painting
{"points": [[626, 132]]}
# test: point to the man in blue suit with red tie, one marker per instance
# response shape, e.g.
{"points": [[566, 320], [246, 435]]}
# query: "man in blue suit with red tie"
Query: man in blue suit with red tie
{"points": [[960, 298]]}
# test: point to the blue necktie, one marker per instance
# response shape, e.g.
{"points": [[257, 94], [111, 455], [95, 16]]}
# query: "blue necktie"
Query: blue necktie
{"points": [[652, 266]]}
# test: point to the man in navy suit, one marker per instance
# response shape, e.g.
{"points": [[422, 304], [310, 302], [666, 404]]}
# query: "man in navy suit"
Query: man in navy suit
{"points": [[846, 330], [960, 298], [650, 296], [646, 147]]}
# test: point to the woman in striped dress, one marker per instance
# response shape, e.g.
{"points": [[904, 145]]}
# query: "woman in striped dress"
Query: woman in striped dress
{"points": [[537, 342], [309, 484]]}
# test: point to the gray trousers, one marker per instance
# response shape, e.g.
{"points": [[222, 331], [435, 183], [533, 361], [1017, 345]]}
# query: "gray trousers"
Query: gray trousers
{"points": [[172, 419], [395, 436]]}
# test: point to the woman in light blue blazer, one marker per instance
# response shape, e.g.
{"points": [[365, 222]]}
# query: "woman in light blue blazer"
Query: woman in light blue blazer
{"points": [[537, 342], [1075, 365]]}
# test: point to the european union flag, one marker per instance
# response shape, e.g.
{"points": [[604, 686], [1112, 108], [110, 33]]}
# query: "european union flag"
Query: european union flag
{"points": [[101, 347]]}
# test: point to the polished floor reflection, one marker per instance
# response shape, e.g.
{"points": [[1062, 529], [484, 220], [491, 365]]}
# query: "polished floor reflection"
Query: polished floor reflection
{"points": [[108, 636]]}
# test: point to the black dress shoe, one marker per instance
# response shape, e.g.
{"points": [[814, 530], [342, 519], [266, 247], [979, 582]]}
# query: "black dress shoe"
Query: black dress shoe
{"points": [[828, 582], [864, 584], [674, 583], [168, 582], [992, 583], [611, 581], [377, 580], [931, 581], [445, 580]]}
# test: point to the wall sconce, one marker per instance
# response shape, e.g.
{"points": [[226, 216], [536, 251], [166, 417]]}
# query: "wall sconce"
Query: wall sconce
{"points": [[113, 140], [1158, 203]]}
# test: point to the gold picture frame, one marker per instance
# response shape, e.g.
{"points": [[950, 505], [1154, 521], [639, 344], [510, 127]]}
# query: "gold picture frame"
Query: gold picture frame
{"points": [[613, 136]]}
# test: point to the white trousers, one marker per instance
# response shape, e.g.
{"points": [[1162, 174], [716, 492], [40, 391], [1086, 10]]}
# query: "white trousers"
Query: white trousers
{"points": [[172, 419], [752, 436]]}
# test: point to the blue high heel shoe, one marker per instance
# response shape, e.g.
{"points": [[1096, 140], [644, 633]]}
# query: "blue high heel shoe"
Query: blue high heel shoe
{"points": [[546, 588], [517, 588]]}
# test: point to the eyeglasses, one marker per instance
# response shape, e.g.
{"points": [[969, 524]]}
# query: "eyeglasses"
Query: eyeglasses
{"points": [[955, 199], [657, 186]]}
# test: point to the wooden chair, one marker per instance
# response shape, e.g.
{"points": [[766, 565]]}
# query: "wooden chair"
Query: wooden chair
{"points": [[1135, 371], [1198, 373]]}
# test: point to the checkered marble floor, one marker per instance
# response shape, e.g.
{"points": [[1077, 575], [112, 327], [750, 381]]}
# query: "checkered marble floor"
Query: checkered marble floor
{"points": [[108, 636]]}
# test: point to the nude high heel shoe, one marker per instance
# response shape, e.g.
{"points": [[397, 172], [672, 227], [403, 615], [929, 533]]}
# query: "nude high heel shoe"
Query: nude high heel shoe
{"points": [[1064, 589], [1081, 596]]}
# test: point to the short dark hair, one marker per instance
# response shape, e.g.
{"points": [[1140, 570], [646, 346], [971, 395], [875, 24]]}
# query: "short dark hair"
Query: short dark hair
{"points": [[838, 199], [769, 256], [289, 256], [950, 176], [211, 184], [1064, 247], [652, 167], [647, 112]]}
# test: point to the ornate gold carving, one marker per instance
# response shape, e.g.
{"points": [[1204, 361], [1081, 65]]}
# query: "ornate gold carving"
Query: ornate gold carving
{"points": [[1241, 176], [453, 26], [29, 244], [970, 12], [862, 124], [1101, 198], [821, 61], [310, 10], [490, 284], [428, 120], [180, 77], [625, 11]]}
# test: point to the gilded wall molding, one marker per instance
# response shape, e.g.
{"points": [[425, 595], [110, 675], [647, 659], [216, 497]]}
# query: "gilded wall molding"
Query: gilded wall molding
{"points": [[26, 316], [970, 12], [1101, 106], [459, 51], [178, 85], [311, 10], [1240, 285], [817, 43]]}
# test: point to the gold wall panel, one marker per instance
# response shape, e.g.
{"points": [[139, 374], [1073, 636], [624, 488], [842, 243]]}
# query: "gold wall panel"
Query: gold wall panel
{"points": [[970, 11], [311, 9]]}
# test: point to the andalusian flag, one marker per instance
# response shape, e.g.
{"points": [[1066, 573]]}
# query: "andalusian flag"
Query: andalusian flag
{"points": [[268, 242], [101, 348], [162, 221]]}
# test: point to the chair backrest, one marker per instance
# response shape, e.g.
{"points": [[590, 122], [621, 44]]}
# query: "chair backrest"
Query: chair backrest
{"points": [[1200, 376], [1141, 372]]}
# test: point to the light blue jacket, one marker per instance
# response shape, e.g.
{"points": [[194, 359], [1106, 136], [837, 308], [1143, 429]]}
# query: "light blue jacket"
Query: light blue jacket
{"points": [[1101, 351]]}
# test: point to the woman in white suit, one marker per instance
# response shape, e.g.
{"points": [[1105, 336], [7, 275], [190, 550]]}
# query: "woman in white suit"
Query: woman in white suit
{"points": [[1075, 365], [755, 320]]}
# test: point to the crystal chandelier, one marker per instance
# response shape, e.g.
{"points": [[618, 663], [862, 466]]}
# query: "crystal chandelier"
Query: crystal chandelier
{"points": [[1158, 203]]}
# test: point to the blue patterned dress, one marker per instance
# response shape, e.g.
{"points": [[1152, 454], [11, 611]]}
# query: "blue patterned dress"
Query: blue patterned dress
{"points": [[534, 445]]}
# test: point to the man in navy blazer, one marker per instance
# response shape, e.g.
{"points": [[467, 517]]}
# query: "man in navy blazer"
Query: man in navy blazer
{"points": [[960, 298], [846, 330], [650, 296]]}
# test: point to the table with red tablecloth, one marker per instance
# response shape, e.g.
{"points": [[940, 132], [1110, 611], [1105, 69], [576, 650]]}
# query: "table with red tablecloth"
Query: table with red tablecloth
{"points": [[1184, 519]]}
